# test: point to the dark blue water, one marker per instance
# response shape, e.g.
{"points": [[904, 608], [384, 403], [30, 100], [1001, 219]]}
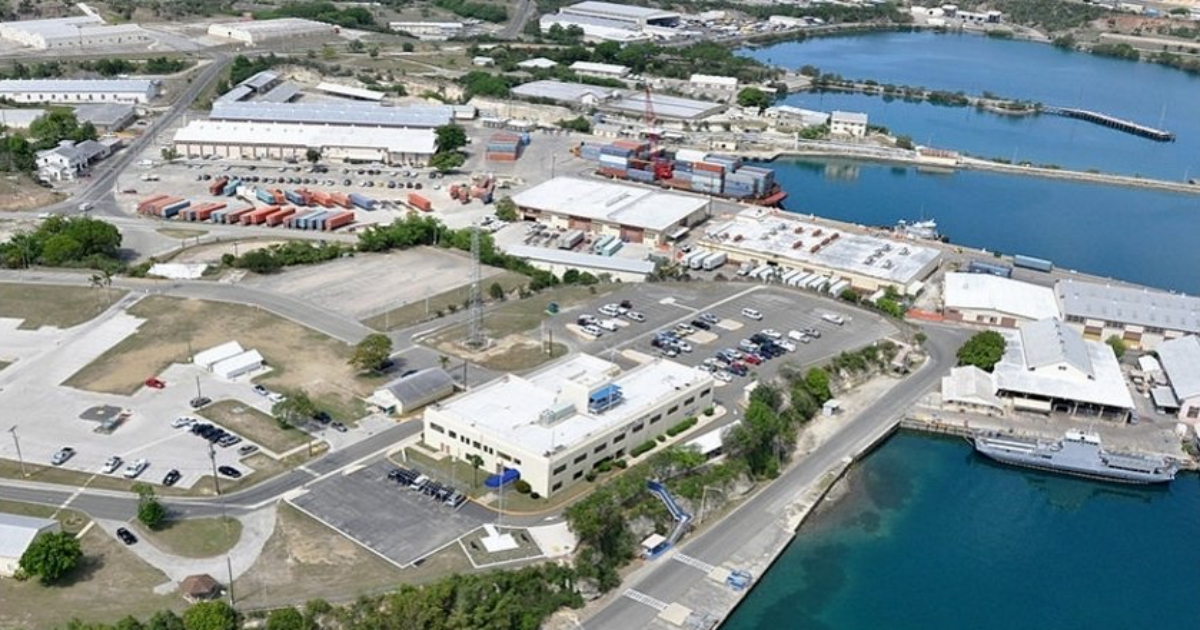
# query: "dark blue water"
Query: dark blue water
{"points": [[932, 537], [1144, 236], [1142, 92]]}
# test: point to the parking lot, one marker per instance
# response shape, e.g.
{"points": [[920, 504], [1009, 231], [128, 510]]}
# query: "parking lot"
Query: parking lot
{"points": [[783, 310], [400, 524]]}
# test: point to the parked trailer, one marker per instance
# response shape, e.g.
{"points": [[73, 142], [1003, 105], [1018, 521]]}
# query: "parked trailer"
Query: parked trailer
{"points": [[1029, 262], [294, 220], [839, 286], [801, 280], [698, 261], [715, 261], [570, 239], [339, 220], [258, 216], [313, 221], [218, 185], [234, 216], [761, 272], [599, 244], [206, 212], [687, 260], [979, 266], [231, 187], [340, 199], [817, 283], [264, 195], [279, 216], [294, 197], [612, 247], [786, 279], [171, 210], [363, 201], [419, 202]]}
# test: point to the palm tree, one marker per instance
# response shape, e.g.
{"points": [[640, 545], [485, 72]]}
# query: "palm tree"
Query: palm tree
{"points": [[476, 462]]}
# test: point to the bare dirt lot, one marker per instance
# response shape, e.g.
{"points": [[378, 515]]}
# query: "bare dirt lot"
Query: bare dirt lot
{"points": [[365, 285], [175, 328], [18, 192], [61, 307]]}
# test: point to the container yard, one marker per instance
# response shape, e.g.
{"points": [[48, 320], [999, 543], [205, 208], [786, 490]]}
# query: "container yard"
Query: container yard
{"points": [[685, 169], [506, 146], [299, 209]]}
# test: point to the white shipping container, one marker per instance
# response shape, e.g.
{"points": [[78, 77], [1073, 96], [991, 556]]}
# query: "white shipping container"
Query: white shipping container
{"points": [[690, 155], [715, 261], [801, 280]]}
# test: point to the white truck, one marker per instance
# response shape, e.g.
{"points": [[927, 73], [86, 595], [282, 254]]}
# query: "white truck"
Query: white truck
{"points": [[715, 261]]}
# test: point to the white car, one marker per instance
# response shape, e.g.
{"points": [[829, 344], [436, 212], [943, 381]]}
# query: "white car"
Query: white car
{"points": [[593, 331], [635, 316], [611, 325], [752, 314], [772, 333], [795, 335], [276, 397], [683, 346], [834, 318], [612, 310], [182, 421], [786, 345], [111, 465], [723, 376], [134, 469]]}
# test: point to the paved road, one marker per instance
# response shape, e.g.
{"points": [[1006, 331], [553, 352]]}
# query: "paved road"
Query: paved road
{"points": [[669, 581], [524, 11]]}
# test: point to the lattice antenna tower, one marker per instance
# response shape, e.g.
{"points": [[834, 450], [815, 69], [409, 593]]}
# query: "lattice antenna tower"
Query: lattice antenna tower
{"points": [[475, 300]]}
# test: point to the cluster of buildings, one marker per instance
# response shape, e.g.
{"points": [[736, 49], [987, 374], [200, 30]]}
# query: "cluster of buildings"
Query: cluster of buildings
{"points": [[84, 31], [605, 21], [671, 111], [1084, 316], [69, 160], [429, 31]]}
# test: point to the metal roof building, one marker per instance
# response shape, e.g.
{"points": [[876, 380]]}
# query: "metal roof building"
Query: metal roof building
{"points": [[410, 393], [994, 301], [282, 93], [1181, 363], [632, 213], [71, 32], [633, 104], [600, 69], [337, 114], [347, 91], [596, 29], [969, 386], [250, 140], [566, 93], [79, 90], [261, 31], [16, 534], [558, 261], [625, 13], [1141, 317], [107, 116]]}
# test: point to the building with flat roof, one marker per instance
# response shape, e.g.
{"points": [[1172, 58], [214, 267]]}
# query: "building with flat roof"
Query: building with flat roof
{"points": [[573, 94], [633, 214], [19, 118], [1142, 318], [537, 63], [410, 393], [16, 534], [280, 141], [347, 91], [558, 261], [555, 425], [107, 117], [425, 31], [789, 243], [69, 160], [851, 124], [979, 298], [666, 108], [713, 82], [594, 29], [606, 70], [79, 90], [1180, 360], [340, 113], [797, 115], [605, 21], [257, 32], [633, 16], [84, 31]]}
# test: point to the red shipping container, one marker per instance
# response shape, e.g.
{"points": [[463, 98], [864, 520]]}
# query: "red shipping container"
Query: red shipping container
{"points": [[321, 198], [257, 216], [234, 216], [218, 185], [417, 201], [205, 213], [145, 204], [341, 199], [337, 221], [276, 218], [705, 166]]}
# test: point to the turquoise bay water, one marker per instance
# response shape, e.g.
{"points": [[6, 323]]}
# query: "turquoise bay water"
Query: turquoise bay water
{"points": [[933, 537]]}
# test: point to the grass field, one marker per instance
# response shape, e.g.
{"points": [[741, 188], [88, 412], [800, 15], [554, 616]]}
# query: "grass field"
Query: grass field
{"points": [[254, 425], [195, 537], [300, 357], [110, 583], [62, 307], [424, 310]]}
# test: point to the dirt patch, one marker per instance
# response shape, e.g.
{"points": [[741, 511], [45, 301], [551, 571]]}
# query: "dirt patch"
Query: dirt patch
{"points": [[19, 192], [175, 328], [212, 252], [254, 425], [421, 310], [511, 354], [181, 233], [62, 307], [90, 592]]}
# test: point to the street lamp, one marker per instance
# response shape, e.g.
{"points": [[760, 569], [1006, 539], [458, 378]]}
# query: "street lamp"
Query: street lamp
{"points": [[17, 442]]}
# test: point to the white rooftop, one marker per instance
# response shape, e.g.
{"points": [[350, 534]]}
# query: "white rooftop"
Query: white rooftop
{"points": [[596, 28], [666, 106], [1138, 306], [335, 113], [580, 259], [777, 233], [353, 92], [619, 10], [1181, 362], [849, 117], [509, 408], [609, 202], [983, 291], [278, 26], [140, 86], [714, 80], [537, 62], [561, 91], [971, 385], [1106, 386], [600, 68], [395, 140], [16, 532]]}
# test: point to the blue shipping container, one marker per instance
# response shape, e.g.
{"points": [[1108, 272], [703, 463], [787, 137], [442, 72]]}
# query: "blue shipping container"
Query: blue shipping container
{"points": [[264, 195], [362, 201], [1029, 262]]}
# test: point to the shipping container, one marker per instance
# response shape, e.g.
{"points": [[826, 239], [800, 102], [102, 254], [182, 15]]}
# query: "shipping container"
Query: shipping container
{"points": [[687, 259], [715, 261], [301, 214], [839, 286], [978, 266], [339, 220], [570, 239], [612, 247], [599, 243], [172, 209], [264, 195], [340, 199], [419, 202], [233, 216], [257, 216], [698, 261], [612, 172], [218, 185], [320, 198], [231, 187], [295, 197], [279, 217], [1029, 262], [363, 201], [690, 155]]}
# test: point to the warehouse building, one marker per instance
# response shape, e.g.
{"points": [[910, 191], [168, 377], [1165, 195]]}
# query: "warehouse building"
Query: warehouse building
{"points": [[85, 31], [250, 140], [796, 115], [820, 255], [595, 30], [558, 261], [603, 70], [713, 82], [629, 15], [979, 298], [16, 534], [350, 92], [429, 30], [571, 94], [340, 114], [605, 21], [79, 90], [556, 425], [410, 393], [258, 32], [107, 117], [1180, 360], [537, 63], [1142, 318], [633, 214], [666, 108]]}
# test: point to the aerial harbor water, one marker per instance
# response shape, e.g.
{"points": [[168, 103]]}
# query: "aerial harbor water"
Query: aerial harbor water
{"points": [[931, 535], [1142, 92]]}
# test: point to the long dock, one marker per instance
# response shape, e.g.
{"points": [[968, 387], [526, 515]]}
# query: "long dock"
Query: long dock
{"points": [[1120, 124]]}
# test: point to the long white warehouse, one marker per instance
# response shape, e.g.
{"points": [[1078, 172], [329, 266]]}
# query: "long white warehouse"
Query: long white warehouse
{"points": [[84, 31], [284, 141], [335, 113], [79, 90], [259, 32]]}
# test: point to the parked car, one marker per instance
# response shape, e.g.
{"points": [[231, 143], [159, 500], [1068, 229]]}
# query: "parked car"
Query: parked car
{"points": [[182, 421], [339, 427], [772, 333], [155, 383], [593, 330], [230, 471], [228, 440], [612, 310], [710, 318], [260, 390], [200, 401], [62, 455], [126, 536], [635, 316], [752, 314], [171, 478], [323, 417], [702, 325], [134, 469], [276, 397], [111, 465], [248, 449]]}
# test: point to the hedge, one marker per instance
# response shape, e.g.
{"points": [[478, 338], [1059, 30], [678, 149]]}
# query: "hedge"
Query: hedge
{"points": [[642, 448], [682, 426]]}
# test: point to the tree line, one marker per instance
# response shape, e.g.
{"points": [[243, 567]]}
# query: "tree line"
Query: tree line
{"points": [[64, 242]]}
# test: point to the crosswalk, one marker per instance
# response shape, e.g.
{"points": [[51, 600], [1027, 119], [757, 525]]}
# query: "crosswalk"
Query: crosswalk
{"points": [[695, 563], [643, 598]]}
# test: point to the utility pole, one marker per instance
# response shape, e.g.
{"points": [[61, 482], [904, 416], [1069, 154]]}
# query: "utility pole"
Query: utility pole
{"points": [[212, 457], [17, 442], [229, 568], [475, 301]]}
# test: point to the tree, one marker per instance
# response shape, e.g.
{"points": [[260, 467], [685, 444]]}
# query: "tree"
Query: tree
{"points": [[476, 462], [983, 350], [164, 620], [356, 46], [816, 382], [407, 47], [904, 142], [506, 209], [371, 352], [215, 615], [450, 138], [169, 153], [1118, 346], [150, 511], [373, 52], [259, 261], [51, 556], [313, 155], [295, 409], [496, 291], [753, 97], [287, 619], [446, 162]]}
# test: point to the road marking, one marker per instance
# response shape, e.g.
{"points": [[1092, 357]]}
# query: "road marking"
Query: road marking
{"points": [[83, 532], [306, 469], [643, 598], [694, 563]]}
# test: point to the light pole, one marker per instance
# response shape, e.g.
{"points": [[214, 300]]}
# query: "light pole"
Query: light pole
{"points": [[212, 457], [17, 443]]}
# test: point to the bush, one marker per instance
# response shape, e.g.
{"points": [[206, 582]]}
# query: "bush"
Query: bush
{"points": [[661, 438], [591, 476], [604, 465], [708, 411], [682, 426], [643, 448], [622, 464], [534, 495], [522, 486]]}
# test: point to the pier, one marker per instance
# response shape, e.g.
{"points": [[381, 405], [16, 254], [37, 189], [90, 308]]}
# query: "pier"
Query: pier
{"points": [[1113, 122]]}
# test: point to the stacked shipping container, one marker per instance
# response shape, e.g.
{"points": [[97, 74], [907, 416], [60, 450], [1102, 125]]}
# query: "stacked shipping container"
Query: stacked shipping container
{"points": [[505, 147]]}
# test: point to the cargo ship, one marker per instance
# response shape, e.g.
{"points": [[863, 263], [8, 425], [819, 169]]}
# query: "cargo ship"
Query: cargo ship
{"points": [[1077, 453], [685, 169]]}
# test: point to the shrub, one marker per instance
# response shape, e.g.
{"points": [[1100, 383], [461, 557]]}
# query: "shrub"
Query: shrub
{"points": [[622, 464], [682, 426], [522, 486], [534, 495], [644, 447], [661, 438], [708, 411], [591, 476]]}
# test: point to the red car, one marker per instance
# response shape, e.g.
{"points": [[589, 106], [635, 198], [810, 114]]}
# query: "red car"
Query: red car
{"points": [[156, 383], [752, 359]]}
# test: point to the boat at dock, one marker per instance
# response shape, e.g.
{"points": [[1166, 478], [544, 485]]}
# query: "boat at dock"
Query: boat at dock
{"points": [[925, 229], [1077, 453]]}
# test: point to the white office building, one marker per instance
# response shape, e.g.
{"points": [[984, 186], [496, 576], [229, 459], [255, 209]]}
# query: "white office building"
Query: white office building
{"points": [[603, 70], [79, 90], [713, 82], [557, 424], [429, 30], [851, 124]]}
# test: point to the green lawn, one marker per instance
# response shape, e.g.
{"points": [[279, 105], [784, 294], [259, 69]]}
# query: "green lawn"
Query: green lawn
{"points": [[195, 537], [254, 425]]}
